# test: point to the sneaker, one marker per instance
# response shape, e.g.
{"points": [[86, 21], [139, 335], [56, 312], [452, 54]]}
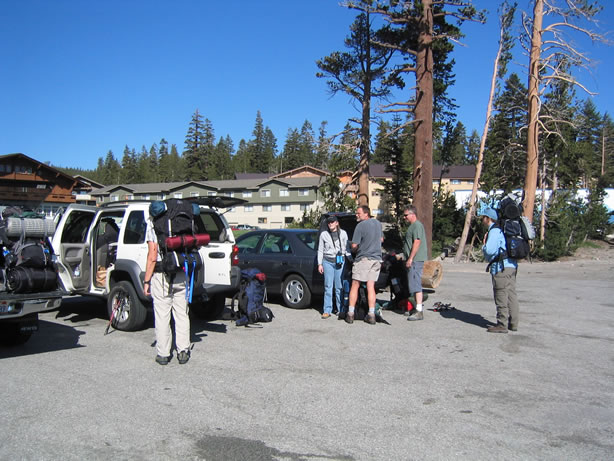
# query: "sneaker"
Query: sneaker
{"points": [[416, 316], [325, 315], [370, 319], [163, 360], [497, 329], [349, 317], [183, 357], [512, 327]]}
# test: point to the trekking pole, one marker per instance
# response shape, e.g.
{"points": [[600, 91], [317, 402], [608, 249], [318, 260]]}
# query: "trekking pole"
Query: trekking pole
{"points": [[114, 310]]}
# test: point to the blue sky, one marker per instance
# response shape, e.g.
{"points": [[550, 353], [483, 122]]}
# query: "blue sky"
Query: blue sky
{"points": [[82, 77]]}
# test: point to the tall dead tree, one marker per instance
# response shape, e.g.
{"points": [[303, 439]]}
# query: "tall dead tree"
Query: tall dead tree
{"points": [[506, 18], [552, 56]]}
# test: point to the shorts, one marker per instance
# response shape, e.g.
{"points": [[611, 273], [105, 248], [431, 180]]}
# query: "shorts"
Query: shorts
{"points": [[366, 270], [414, 277]]}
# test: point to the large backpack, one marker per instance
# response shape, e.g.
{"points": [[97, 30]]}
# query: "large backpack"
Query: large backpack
{"points": [[178, 243], [250, 299], [517, 229]]}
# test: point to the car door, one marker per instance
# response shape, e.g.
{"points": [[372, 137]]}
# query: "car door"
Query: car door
{"points": [[217, 255], [274, 258], [73, 247]]}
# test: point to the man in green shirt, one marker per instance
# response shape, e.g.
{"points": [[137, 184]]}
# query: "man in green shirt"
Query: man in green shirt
{"points": [[415, 249]]}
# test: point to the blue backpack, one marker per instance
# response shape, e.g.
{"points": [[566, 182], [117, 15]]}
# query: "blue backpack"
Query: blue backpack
{"points": [[250, 298]]}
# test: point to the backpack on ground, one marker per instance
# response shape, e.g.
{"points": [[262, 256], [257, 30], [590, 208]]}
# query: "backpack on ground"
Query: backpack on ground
{"points": [[517, 230], [175, 227], [250, 299]]}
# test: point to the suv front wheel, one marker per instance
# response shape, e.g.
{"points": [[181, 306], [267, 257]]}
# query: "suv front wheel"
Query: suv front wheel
{"points": [[130, 313]]}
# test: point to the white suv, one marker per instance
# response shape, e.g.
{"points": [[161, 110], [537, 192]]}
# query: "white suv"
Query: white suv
{"points": [[101, 251]]}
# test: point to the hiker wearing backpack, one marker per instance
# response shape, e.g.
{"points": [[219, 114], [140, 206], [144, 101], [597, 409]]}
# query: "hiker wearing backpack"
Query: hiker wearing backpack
{"points": [[503, 274], [169, 296], [332, 250]]}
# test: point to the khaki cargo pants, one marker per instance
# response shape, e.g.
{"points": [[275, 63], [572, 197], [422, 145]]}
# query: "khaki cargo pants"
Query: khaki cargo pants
{"points": [[165, 304], [504, 289]]}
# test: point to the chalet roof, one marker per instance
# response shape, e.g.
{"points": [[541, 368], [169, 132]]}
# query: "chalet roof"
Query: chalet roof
{"points": [[41, 165]]}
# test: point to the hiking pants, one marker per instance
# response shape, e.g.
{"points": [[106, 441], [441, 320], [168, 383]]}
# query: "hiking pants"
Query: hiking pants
{"points": [[332, 283], [504, 289], [165, 304]]}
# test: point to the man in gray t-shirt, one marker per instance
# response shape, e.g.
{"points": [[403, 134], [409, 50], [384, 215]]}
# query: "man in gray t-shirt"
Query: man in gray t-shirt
{"points": [[367, 243]]}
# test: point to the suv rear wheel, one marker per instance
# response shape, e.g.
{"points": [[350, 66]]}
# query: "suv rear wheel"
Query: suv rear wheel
{"points": [[130, 312]]}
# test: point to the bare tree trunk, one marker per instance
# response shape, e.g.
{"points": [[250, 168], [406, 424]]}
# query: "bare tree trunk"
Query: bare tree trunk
{"points": [[423, 149], [602, 150], [542, 221], [365, 129], [480, 160], [530, 181]]}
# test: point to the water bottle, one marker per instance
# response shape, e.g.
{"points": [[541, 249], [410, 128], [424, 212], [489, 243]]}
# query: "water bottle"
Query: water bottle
{"points": [[346, 294]]}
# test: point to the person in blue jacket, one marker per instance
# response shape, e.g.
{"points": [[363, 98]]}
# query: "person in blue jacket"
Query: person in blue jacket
{"points": [[503, 274]]}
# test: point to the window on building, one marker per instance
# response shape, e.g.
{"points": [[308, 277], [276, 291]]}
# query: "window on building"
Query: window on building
{"points": [[146, 197], [178, 195], [288, 220], [303, 192], [129, 197], [304, 207], [261, 220], [247, 194], [284, 193], [377, 212], [267, 207], [211, 193], [455, 181], [285, 207], [265, 193], [193, 194], [248, 208], [227, 194], [115, 198]]}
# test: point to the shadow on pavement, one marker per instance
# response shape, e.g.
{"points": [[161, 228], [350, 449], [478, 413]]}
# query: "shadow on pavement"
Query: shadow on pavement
{"points": [[466, 317], [50, 337]]}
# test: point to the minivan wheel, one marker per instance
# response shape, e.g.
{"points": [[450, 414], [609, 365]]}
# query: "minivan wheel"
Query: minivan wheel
{"points": [[295, 292], [130, 313]]}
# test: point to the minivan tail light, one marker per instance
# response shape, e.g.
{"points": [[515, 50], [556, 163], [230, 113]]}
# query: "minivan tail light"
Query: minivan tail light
{"points": [[235, 255]]}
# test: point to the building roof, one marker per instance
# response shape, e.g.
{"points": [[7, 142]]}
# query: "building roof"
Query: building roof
{"points": [[455, 171], [42, 165]]}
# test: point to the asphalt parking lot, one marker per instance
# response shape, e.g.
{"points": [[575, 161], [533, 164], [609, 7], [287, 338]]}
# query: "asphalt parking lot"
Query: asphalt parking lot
{"points": [[303, 388]]}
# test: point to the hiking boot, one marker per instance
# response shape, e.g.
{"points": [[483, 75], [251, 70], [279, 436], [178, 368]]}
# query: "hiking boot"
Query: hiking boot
{"points": [[183, 357], [325, 315], [497, 329], [163, 360], [418, 315], [370, 319], [349, 317]]}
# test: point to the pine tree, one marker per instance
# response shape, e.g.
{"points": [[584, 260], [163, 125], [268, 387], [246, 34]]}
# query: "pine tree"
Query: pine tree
{"points": [[164, 164], [323, 150], [505, 155], [221, 164], [360, 73], [291, 156], [307, 145], [199, 145], [129, 171], [261, 154], [588, 143]]}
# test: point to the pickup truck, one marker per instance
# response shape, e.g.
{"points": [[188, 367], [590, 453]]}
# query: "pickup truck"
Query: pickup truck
{"points": [[102, 252], [19, 314]]}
